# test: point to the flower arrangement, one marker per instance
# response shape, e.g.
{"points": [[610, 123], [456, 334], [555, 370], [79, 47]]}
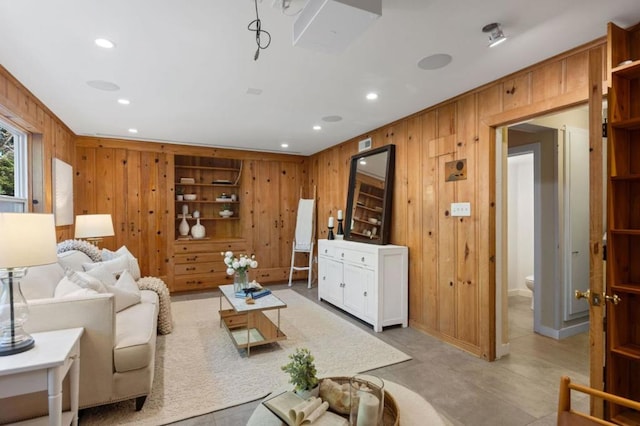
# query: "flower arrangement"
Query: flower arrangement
{"points": [[240, 264], [302, 370]]}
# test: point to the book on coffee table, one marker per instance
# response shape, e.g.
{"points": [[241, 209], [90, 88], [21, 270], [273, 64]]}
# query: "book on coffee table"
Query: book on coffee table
{"points": [[295, 411]]}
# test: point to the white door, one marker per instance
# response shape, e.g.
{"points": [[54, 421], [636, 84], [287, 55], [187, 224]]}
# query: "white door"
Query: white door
{"points": [[576, 234]]}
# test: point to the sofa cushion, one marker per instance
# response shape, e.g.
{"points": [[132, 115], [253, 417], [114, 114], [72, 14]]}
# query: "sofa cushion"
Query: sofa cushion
{"points": [[125, 291], [73, 259], [115, 266], [40, 281], [133, 267], [134, 346], [67, 288], [85, 280]]}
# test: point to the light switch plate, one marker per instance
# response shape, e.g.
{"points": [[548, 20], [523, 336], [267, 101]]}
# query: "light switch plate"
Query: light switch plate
{"points": [[460, 209]]}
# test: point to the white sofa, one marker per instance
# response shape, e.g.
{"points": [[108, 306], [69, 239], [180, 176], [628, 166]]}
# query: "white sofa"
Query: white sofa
{"points": [[117, 349]]}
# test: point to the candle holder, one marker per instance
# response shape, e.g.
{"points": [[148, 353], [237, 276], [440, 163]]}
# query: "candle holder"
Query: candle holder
{"points": [[340, 232], [330, 235]]}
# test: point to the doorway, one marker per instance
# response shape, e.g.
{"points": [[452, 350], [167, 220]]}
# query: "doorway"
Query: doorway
{"points": [[550, 151]]}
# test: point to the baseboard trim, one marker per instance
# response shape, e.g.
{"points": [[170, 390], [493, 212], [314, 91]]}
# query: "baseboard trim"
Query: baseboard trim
{"points": [[520, 292], [565, 332]]}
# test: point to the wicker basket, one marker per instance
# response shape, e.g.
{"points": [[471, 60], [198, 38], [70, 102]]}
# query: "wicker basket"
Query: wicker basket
{"points": [[391, 410]]}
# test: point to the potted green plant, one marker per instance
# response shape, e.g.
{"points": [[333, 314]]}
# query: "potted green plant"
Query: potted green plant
{"points": [[226, 210], [302, 372]]}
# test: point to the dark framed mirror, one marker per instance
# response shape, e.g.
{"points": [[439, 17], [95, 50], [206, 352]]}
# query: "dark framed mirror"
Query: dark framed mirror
{"points": [[368, 218]]}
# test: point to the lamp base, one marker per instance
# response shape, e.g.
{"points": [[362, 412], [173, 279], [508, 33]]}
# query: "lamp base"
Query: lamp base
{"points": [[17, 347]]}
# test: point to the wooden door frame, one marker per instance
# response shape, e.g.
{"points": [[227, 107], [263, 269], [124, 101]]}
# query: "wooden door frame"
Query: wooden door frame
{"points": [[596, 202]]}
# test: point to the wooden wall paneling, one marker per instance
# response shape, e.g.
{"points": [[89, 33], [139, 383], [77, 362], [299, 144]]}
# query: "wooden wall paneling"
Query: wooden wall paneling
{"points": [[84, 190], [516, 91], [467, 319], [136, 181], [415, 231], [267, 216], [290, 184], [446, 250], [248, 205], [430, 231], [547, 81], [577, 73], [146, 217]]}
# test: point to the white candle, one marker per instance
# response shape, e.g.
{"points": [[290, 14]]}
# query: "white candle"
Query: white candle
{"points": [[368, 409], [339, 214], [330, 221]]}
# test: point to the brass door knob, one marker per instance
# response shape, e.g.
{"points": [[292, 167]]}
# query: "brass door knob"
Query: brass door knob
{"points": [[582, 294]]}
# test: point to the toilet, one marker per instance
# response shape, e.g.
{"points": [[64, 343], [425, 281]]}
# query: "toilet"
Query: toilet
{"points": [[528, 280]]}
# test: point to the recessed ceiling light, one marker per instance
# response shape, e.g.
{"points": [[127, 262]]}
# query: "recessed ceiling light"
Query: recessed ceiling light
{"points": [[133, 130], [284, 145], [434, 62], [332, 118], [103, 85], [124, 101], [103, 42], [316, 127], [372, 96]]}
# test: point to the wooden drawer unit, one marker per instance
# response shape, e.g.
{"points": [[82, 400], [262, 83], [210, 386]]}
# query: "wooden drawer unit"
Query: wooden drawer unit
{"points": [[199, 265]]}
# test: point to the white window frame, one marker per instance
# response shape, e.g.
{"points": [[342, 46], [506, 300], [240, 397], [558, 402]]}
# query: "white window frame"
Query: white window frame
{"points": [[17, 203]]}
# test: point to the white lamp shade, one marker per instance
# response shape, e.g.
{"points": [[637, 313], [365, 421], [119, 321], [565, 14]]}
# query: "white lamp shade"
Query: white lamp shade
{"points": [[27, 239], [94, 225]]}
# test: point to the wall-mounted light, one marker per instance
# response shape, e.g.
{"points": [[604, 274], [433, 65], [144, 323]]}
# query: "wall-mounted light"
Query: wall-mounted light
{"points": [[496, 36]]}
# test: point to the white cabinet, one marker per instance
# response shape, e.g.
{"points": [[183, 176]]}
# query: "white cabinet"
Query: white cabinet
{"points": [[366, 280]]}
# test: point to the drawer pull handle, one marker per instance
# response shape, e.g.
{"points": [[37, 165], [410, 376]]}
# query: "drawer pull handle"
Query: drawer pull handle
{"points": [[192, 259], [365, 293], [193, 268], [192, 282], [363, 258], [341, 254]]}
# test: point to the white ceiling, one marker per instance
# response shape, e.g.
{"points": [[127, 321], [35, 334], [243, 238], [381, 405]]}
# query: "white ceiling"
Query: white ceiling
{"points": [[186, 65]]}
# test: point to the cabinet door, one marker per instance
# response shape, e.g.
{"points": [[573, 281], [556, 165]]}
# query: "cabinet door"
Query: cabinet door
{"points": [[354, 288], [334, 282], [370, 296], [266, 213]]}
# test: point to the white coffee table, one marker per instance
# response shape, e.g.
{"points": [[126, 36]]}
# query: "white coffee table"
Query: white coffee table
{"points": [[414, 409], [44, 368], [247, 324]]}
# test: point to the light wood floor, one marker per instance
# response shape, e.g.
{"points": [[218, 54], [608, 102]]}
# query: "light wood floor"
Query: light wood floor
{"points": [[520, 389]]}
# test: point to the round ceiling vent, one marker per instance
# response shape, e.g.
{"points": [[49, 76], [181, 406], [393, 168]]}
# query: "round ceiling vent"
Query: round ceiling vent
{"points": [[434, 62]]}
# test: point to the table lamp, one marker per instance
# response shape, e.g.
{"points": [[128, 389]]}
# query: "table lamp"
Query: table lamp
{"points": [[28, 239], [92, 227]]}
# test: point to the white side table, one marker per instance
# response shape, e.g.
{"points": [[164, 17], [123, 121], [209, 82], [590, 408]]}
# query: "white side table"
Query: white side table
{"points": [[44, 368]]}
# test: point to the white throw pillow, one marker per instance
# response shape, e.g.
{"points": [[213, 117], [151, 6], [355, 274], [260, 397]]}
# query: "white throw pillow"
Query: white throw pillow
{"points": [[67, 288], [125, 291], [114, 266], [104, 275], [134, 266], [86, 280]]}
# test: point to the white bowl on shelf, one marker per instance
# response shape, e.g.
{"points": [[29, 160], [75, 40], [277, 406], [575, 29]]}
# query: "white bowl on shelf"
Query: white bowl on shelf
{"points": [[225, 213], [190, 197], [373, 220]]}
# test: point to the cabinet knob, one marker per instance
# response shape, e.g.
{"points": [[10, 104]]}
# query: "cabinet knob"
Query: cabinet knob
{"points": [[341, 254], [326, 251], [365, 293], [362, 258], [324, 278], [192, 268]]}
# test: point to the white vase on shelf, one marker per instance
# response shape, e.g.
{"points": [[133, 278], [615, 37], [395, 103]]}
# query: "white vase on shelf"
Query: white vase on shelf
{"points": [[197, 230], [183, 229]]}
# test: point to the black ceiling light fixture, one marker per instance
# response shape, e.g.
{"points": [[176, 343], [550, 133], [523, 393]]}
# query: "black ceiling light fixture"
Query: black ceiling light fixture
{"points": [[496, 36], [256, 25]]}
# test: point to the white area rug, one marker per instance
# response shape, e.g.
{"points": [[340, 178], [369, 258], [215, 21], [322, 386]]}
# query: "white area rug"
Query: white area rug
{"points": [[199, 370]]}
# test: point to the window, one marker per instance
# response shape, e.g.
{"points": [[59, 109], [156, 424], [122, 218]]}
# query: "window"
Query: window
{"points": [[13, 169]]}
